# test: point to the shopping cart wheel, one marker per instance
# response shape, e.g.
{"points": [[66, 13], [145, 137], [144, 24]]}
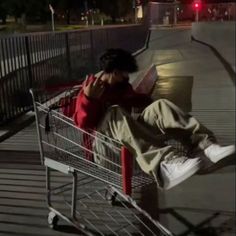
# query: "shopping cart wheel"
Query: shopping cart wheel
{"points": [[110, 196], [52, 220]]}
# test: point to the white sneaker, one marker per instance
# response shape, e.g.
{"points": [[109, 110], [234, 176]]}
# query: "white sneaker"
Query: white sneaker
{"points": [[177, 170], [215, 152]]}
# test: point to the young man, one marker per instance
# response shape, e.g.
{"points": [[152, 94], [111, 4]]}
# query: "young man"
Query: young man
{"points": [[105, 103]]}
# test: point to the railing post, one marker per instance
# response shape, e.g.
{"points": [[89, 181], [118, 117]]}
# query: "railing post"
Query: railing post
{"points": [[127, 170], [68, 56], [29, 62]]}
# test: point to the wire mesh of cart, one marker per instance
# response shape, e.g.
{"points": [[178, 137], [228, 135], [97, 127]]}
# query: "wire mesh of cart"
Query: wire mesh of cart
{"points": [[91, 153], [70, 150]]}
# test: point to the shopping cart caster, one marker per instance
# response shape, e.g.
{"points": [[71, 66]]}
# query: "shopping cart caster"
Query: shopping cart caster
{"points": [[110, 196], [52, 220]]}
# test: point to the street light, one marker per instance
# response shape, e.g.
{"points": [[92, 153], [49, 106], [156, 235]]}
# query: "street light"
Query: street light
{"points": [[134, 9], [52, 16], [175, 11]]}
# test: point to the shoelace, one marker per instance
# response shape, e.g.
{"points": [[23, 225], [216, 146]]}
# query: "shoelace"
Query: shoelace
{"points": [[176, 160]]}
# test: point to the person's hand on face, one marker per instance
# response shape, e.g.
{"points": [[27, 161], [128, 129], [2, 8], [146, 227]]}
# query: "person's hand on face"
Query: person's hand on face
{"points": [[94, 89]]}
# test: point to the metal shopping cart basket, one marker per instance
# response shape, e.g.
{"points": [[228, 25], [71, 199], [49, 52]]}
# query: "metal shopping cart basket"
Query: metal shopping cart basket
{"points": [[95, 161]]}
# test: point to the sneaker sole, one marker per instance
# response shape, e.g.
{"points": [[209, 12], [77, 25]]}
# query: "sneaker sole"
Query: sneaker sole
{"points": [[183, 177], [223, 155]]}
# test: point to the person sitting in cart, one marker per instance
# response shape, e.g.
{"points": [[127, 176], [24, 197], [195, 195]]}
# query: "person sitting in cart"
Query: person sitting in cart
{"points": [[105, 103]]}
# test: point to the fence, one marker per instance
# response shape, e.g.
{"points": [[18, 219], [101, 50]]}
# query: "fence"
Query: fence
{"points": [[170, 13], [45, 59]]}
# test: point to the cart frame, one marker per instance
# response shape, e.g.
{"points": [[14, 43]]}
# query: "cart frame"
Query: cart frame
{"points": [[126, 175]]}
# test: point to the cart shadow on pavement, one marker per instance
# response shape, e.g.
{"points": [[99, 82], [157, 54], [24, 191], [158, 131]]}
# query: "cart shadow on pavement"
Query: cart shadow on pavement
{"points": [[204, 227], [150, 203]]}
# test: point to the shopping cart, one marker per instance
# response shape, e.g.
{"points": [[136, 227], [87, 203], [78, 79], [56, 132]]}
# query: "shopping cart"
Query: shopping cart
{"points": [[70, 150]]}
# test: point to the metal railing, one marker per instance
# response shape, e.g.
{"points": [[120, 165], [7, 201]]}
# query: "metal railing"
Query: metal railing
{"points": [[46, 59]]}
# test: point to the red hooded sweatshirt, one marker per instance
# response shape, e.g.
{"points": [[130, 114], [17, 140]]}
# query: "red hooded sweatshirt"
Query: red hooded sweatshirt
{"points": [[89, 111]]}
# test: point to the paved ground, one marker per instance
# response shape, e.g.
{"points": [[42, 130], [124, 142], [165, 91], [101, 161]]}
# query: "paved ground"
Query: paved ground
{"points": [[23, 208], [181, 64], [192, 77]]}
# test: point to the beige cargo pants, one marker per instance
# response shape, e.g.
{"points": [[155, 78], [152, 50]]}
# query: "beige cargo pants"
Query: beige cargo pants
{"points": [[144, 136]]}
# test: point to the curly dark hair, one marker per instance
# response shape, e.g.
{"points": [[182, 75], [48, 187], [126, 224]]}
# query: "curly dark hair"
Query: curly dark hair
{"points": [[118, 59]]}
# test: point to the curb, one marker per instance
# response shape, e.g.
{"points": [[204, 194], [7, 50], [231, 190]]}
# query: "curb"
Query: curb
{"points": [[15, 126]]}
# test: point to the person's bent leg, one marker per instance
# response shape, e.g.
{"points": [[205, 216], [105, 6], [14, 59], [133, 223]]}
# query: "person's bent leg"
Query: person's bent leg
{"points": [[148, 152], [171, 120]]}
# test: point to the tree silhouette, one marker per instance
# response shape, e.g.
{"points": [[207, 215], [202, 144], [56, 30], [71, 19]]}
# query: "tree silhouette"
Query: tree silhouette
{"points": [[3, 11], [115, 8]]}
